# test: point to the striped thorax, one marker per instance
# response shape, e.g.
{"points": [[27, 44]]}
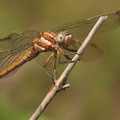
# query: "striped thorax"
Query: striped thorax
{"points": [[49, 40]]}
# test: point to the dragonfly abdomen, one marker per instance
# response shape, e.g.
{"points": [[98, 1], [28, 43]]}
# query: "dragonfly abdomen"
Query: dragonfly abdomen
{"points": [[25, 57]]}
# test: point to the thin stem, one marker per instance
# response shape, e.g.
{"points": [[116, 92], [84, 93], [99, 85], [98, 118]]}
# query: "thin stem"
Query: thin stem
{"points": [[62, 79]]}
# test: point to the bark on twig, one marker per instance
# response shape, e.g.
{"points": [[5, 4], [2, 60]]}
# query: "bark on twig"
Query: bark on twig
{"points": [[62, 79]]}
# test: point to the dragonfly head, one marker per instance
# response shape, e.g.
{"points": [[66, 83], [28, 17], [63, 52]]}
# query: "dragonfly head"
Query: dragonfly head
{"points": [[64, 38]]}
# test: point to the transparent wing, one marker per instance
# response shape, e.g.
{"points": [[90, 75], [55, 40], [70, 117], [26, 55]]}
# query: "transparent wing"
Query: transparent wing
{"points": [[82, 27], [15, 39], [92, 52], [13, 46]]}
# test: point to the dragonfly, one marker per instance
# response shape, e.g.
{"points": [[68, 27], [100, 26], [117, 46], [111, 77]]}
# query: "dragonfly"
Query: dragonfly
{"points": [[25, 46]]}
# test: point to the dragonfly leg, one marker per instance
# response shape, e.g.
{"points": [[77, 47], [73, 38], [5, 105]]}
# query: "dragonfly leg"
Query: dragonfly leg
{"points": [[48, 73], [69, 49], [59, 59], [54, 67], [48, 59], [72, 50], [44, 65], [69, 60]]}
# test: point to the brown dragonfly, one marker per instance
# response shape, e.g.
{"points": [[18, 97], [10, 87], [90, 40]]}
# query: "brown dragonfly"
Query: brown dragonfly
{"points": [[25, 46]]}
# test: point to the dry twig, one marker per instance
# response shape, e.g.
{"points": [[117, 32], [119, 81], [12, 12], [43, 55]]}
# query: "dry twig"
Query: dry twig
{"points": [[62, 79]]}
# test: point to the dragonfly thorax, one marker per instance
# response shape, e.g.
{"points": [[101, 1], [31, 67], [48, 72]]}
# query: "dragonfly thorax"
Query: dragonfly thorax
{"points": [[64, 38]]}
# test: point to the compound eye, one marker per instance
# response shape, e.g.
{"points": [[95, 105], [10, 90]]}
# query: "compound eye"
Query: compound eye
{"points": [[68, 40], [61, 37]]}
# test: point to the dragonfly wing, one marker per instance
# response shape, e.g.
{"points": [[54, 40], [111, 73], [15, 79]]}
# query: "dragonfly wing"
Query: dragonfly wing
{"points": [[92, 51], [5, 61], [9, 56], [18, 43], [18, 39], [82, 27]]}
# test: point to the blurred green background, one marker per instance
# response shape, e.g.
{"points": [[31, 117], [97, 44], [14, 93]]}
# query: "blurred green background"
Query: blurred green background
{"points": [[94, 93]]}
